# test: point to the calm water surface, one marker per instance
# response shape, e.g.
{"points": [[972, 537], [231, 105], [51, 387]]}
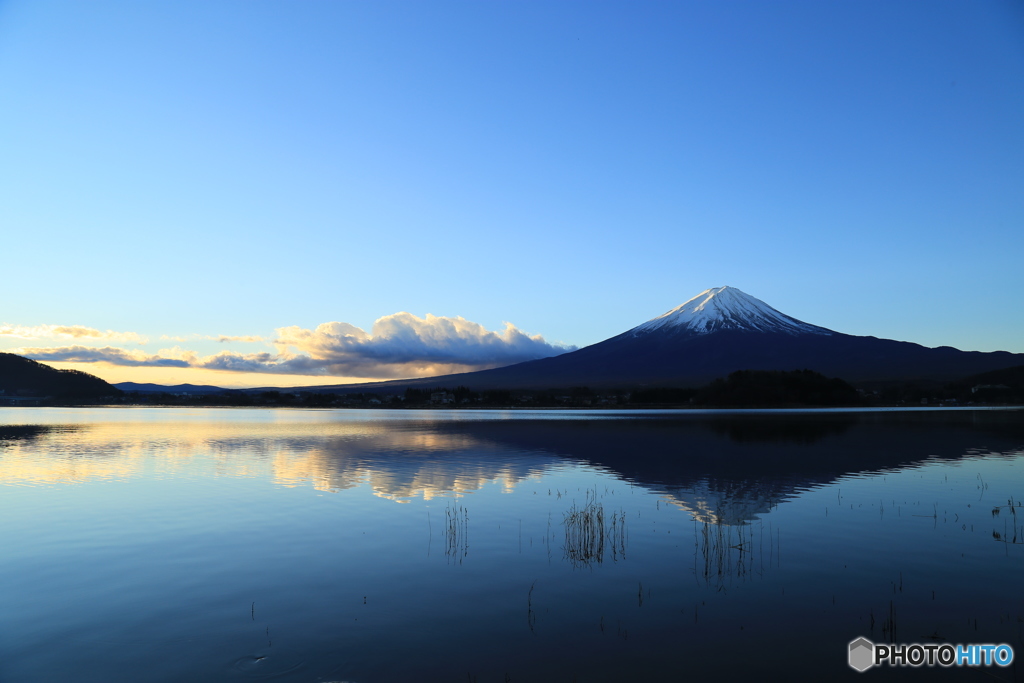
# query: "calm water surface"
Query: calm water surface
{"points": [[363, 546]]}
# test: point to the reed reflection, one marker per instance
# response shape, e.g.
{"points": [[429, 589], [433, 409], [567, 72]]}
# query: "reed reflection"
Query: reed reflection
{"points": [[591, 534]]}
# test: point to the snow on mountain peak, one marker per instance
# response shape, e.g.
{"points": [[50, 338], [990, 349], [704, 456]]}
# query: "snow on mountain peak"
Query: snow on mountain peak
{"points": [[727, 308]]}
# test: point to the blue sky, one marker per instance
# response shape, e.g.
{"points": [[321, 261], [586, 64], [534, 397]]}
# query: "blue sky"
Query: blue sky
{"points": [[175, 173]]}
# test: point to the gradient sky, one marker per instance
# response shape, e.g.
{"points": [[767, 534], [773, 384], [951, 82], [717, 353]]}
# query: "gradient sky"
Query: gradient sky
{"points": [[172, 173]]}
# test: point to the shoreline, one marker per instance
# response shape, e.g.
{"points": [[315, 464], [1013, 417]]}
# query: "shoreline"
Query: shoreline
{"points": [[543, 409]]}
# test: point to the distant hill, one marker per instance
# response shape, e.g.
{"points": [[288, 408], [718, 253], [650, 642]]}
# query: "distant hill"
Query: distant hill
{"points": [[764, 388], [998, 386], [170, 389], [1010, 377], [20, 376]]}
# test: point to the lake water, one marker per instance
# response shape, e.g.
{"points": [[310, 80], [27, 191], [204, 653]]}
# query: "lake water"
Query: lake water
{"points": [[296, 545]]}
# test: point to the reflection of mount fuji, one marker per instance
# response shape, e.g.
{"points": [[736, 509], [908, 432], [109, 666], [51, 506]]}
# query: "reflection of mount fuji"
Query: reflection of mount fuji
{"points": [[729, 469], [723, 468]]}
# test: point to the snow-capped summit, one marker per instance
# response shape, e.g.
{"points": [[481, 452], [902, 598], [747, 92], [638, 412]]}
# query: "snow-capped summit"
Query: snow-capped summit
{"points": [[683, 348], [727, 308]]}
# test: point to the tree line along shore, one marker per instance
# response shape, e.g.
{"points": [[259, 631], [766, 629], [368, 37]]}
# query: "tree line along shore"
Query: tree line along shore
{"points": [[24, 382]]}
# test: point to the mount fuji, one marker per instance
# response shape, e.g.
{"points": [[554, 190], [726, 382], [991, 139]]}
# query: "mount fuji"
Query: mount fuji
{"points": [[725, 308], [717, 332]]}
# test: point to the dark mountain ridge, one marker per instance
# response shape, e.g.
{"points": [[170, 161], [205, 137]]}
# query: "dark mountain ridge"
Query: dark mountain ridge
{"points": [[20, 376], [148, 387], [711, 336], [714, 334]]}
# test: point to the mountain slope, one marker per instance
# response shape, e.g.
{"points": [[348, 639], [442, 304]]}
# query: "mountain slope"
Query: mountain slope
{"points": [[22, 375], [149, 387], [717, 332], [726, 308]]}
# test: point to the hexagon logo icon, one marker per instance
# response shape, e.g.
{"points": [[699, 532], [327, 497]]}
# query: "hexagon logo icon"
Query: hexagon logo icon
{"points": [[862, 654]]}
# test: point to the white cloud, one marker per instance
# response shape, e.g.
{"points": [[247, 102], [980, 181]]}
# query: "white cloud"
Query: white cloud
{"points": [[407, 343], [106, 354], [240, 338], [222, 338], [401, 345], [69, 332]]}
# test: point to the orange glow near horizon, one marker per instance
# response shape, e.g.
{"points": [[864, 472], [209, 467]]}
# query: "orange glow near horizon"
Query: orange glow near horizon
{"points": [[218, 378], [289, 449]]}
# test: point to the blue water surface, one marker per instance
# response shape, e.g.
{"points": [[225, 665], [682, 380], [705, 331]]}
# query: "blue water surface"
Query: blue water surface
{"points": [[155, 544]]}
